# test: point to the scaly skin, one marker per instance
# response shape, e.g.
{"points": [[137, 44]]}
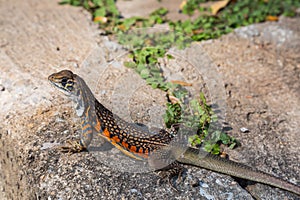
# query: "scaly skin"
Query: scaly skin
{"points": [[136, 142], [215, 163]]}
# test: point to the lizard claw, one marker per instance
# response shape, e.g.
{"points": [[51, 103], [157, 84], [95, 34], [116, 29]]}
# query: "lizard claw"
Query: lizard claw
{"points": [[72, 146], [169, 183], [169, 172]]}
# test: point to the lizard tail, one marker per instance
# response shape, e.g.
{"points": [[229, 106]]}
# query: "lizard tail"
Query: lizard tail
{"points": [[202, 159]]}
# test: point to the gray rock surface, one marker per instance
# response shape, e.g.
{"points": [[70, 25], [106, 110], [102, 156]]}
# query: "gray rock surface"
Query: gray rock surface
{"points": [[259, 65]]}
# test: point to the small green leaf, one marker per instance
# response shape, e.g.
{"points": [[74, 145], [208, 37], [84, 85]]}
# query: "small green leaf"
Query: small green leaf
{"points": [[100, 12], [145, 73], [65, 2], [130, 64]]}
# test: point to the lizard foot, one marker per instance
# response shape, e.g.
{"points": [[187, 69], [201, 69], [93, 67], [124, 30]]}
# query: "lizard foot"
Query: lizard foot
{"points": [[167, 173], [72, 146]]}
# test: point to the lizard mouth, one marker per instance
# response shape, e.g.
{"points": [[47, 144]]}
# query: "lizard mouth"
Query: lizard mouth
{"points": [[59, 87]]}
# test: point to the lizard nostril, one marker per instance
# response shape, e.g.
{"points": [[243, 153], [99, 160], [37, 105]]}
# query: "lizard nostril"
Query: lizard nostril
{"points": [[50, 78]]}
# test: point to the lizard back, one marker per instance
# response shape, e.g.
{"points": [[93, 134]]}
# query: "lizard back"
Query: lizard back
{"points": [[131, 137]]}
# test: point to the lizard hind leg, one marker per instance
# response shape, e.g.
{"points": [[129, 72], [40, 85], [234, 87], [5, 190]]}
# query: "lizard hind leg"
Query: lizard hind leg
{"points": [[168, 172]]}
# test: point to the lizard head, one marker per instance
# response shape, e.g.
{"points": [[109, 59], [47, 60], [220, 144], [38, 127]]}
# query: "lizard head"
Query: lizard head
{"points": [[65, 81]]}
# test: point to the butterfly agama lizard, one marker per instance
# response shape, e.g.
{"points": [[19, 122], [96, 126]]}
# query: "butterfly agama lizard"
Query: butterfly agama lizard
{"points": [[136, 142]]}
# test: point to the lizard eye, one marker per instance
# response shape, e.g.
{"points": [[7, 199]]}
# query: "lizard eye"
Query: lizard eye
{"points": [[64, 82]]}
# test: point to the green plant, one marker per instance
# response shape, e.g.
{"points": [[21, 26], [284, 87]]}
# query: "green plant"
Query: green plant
{"points": [[146, 50], [99, 8], [191, 6]]}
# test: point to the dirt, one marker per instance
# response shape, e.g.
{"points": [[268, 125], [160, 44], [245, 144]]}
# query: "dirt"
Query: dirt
{"points": [[258, 67]]}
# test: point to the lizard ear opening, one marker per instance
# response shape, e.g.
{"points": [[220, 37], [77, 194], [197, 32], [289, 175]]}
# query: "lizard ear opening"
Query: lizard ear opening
{"points": [[67, 84], [70, 87]]}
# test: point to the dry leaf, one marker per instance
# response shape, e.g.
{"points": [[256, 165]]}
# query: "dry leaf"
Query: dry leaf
{"points": [[100, 19], [181, 83], [183, 3], [218, 6], [198, 31], [173, 99], [272, 18], [224, 155], [122, 27]]}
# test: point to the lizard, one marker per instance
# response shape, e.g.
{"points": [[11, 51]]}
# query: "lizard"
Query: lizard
{"points": [[136, 142]]}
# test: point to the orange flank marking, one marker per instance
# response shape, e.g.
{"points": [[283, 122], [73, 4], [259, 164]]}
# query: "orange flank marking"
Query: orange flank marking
{"points": [[121, 148], [125, 145], [141, 150], [106, 133], [142, 154], [98, 126], [116, 139], [133, 148]]}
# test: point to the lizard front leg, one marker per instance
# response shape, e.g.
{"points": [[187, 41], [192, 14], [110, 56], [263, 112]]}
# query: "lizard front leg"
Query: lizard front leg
{"points": [[72, 146], [87, 131]]}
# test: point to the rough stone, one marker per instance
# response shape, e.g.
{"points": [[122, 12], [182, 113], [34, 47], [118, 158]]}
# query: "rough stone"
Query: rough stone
{"points": [[261, 80]]}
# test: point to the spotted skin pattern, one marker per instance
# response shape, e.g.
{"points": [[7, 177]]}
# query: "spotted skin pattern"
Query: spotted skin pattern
{"points": [[130, 138], [138, 143]]}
